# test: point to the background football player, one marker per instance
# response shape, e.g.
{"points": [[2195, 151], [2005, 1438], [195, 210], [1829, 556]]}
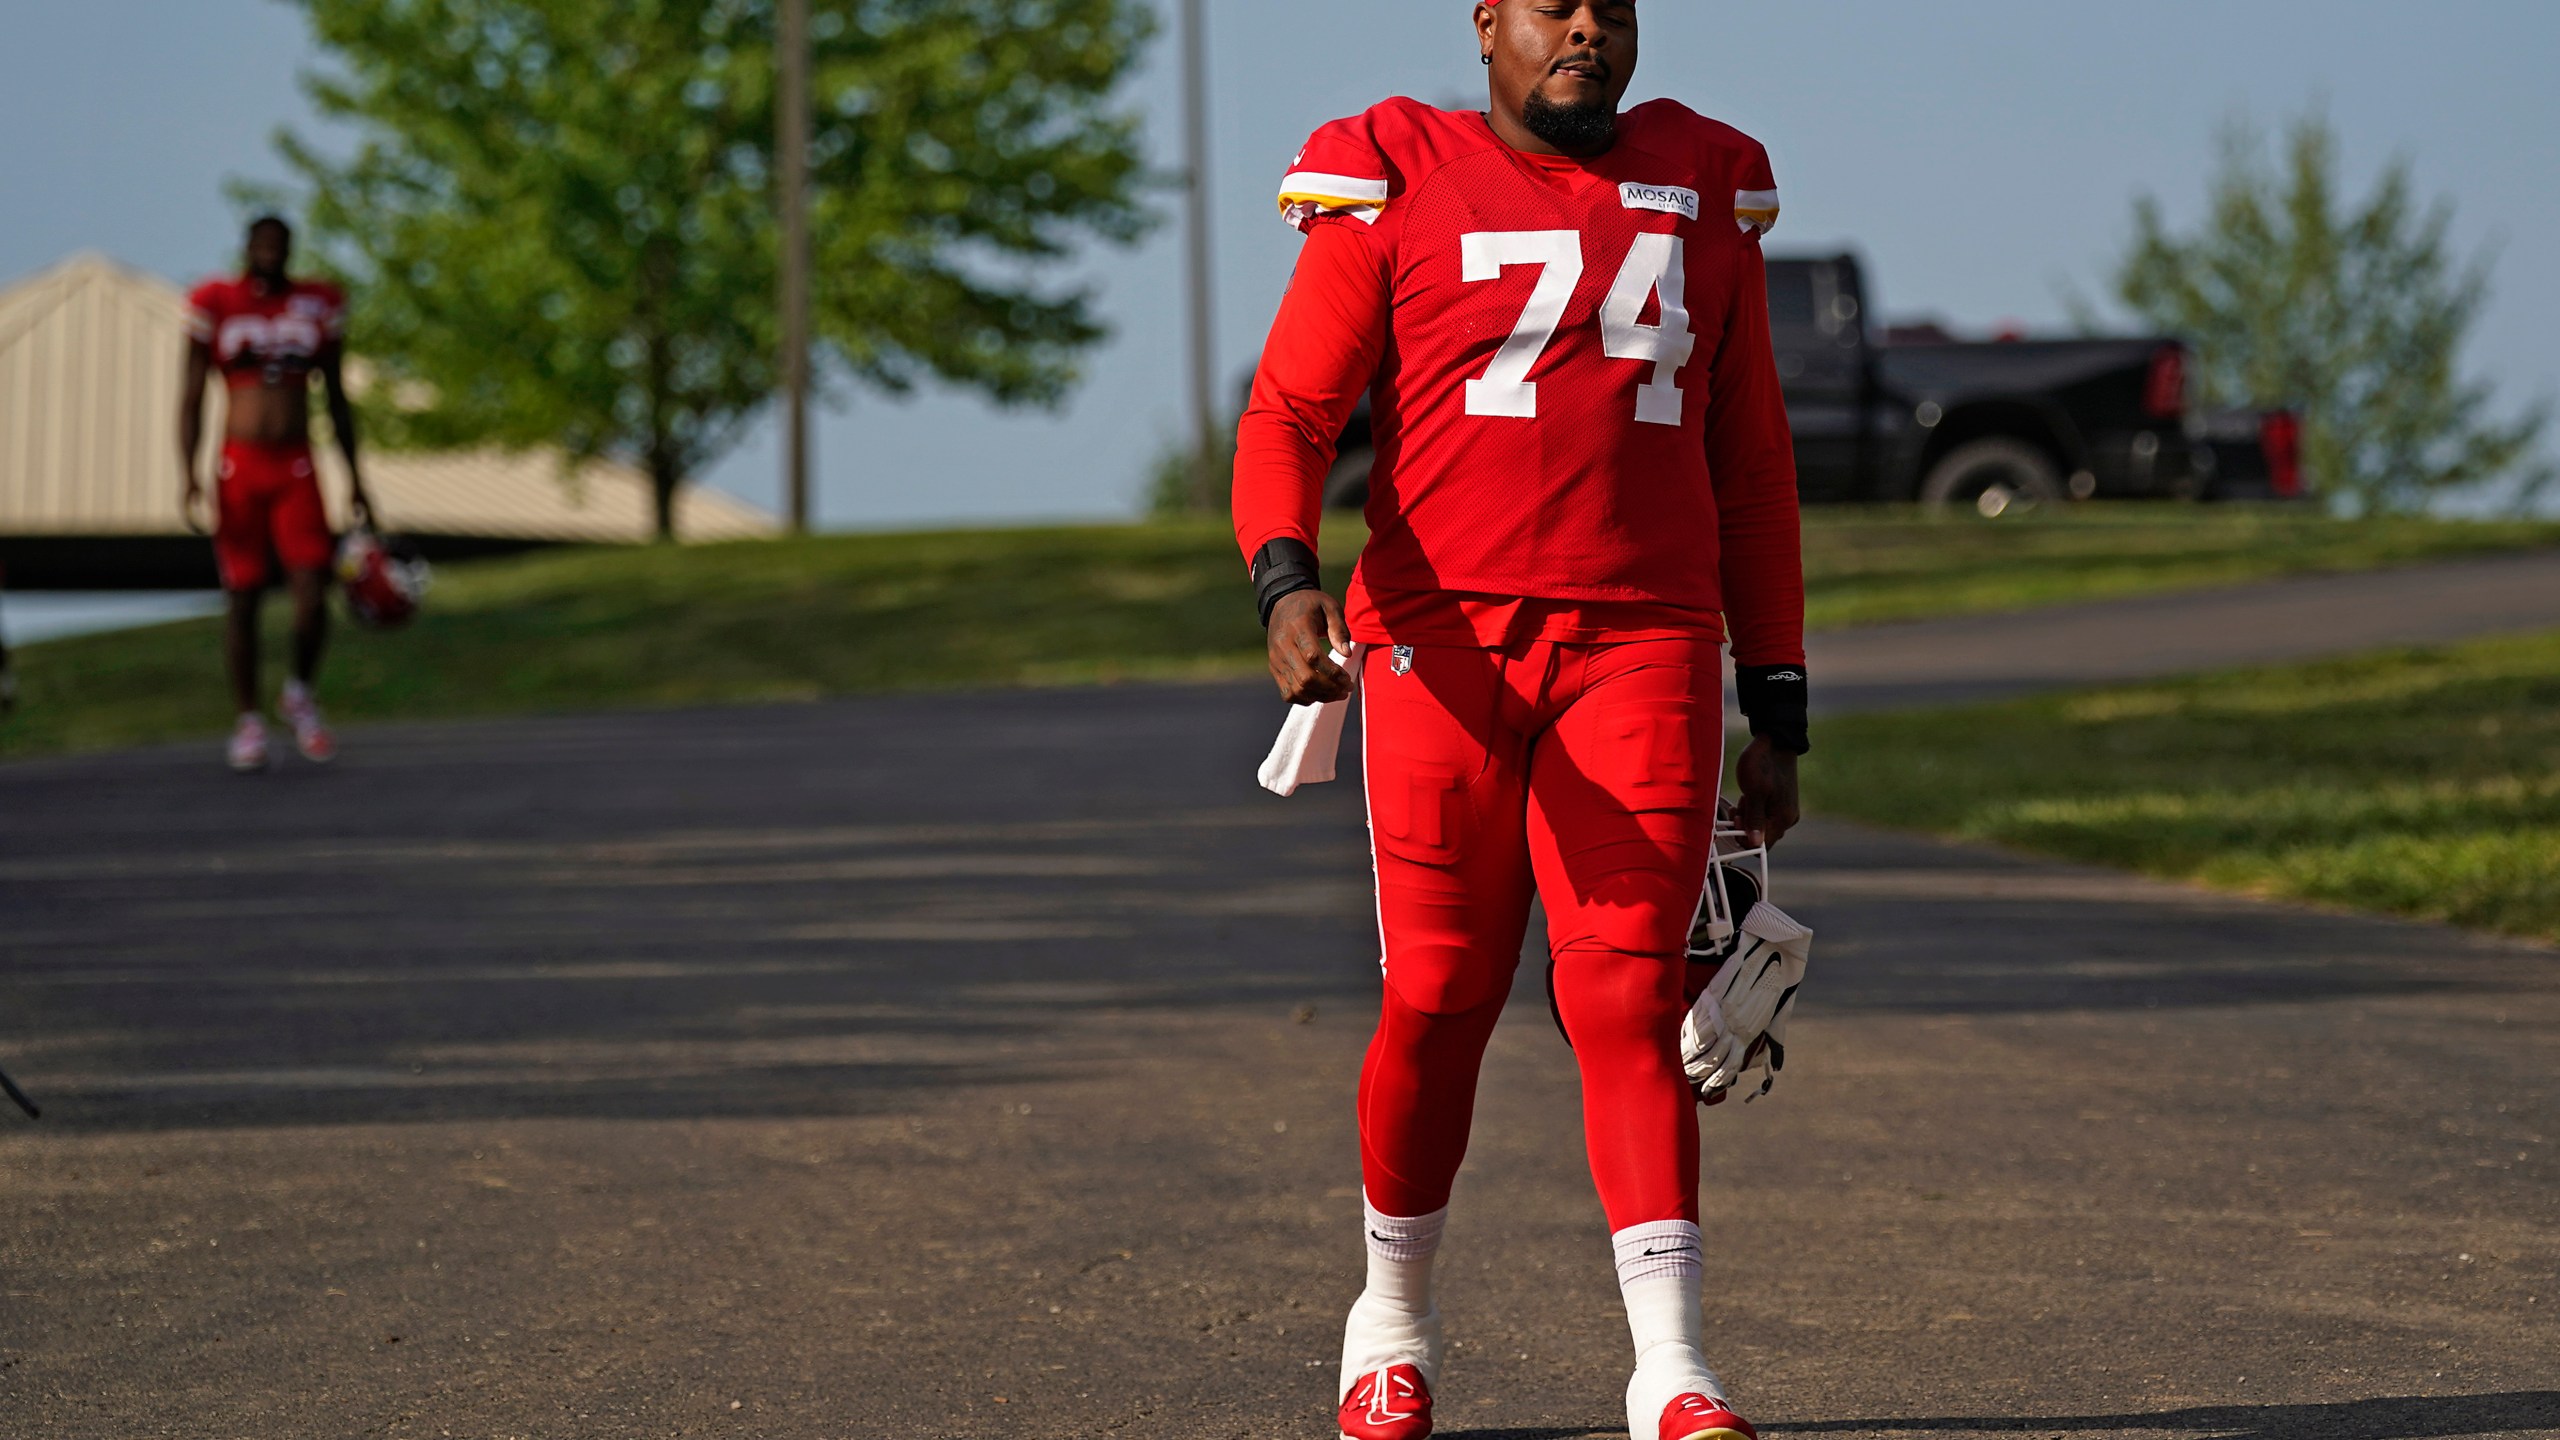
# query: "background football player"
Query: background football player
{"points": [[1584, 486], [267, 333]]}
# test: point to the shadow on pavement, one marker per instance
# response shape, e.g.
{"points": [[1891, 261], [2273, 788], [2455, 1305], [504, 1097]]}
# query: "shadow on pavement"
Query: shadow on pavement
{"points": [[815, 910], [2409, 1417]]}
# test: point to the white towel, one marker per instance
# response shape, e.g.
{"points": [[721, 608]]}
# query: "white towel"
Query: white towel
{"points": [[1310, 738]]}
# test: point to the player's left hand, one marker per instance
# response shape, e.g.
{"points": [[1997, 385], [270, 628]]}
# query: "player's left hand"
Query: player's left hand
{"points": [[1767, 776]]}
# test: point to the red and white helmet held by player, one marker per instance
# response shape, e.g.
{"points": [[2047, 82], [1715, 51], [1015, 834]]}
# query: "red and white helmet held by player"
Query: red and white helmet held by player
{"points": [[1737, 881], [383, 578], [1747, 959]]}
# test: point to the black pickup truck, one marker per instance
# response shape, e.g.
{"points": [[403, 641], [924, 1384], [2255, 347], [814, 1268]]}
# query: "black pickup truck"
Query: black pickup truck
{"points": [[1914, 414]]}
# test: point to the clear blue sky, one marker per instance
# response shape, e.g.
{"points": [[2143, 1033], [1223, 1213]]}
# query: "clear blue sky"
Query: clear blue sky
{"points": [[1982, 155]]}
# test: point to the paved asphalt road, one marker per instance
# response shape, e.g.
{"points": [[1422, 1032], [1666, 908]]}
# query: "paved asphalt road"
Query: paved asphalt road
{"points": [[1987, 656], [980, 1066]]}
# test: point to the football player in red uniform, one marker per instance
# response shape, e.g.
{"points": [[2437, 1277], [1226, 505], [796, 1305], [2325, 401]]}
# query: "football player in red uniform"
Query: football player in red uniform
{"points": [[1584, 487], [267, 334]]}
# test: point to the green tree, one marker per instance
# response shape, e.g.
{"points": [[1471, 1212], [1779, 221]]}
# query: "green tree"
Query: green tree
{"points": [[558, 216], [2354, 312]]}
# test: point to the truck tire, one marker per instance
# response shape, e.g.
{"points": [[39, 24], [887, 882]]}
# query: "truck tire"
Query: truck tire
{"points": [[1346, 485], [1993, 477]]}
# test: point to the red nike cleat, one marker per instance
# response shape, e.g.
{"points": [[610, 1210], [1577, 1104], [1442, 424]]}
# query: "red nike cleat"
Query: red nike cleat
{"points": [[1390, 1403], [1695, 1417]]}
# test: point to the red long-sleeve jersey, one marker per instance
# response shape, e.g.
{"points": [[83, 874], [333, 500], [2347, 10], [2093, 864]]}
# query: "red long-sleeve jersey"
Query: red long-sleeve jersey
{"points": [[1576, 412]]}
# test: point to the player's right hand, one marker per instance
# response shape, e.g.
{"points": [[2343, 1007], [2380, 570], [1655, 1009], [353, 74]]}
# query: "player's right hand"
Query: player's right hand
{"points": [[191, 503], [1307, 628]]}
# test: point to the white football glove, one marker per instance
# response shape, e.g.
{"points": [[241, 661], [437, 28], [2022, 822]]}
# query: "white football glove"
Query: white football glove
{"points": [[1738, 1028]]}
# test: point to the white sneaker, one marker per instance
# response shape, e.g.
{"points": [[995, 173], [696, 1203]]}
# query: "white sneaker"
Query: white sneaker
{"points": [[248, 752], [310, 733]]}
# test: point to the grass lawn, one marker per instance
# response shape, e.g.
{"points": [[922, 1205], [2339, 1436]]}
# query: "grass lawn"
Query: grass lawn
{"points": [[798, 619], [1864, 566], [657, 626], [2424, 782]]}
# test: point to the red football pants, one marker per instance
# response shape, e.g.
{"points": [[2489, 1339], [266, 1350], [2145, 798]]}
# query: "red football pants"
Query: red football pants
{"points": [[1590, 772], [267, 503]]}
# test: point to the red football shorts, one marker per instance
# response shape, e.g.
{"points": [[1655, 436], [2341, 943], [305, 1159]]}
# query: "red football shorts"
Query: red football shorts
{"points": [[1587, 775], [268, 509]]}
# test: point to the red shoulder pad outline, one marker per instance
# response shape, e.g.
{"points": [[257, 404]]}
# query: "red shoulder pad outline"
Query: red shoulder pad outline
{"points": [[1355, 168], [1726, 150], [333, 300], [205, 306], [1340, 171]]}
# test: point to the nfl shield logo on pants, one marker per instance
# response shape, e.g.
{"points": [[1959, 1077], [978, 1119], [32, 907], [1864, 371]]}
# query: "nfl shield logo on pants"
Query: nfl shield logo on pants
{"points": [[1404, 660]]}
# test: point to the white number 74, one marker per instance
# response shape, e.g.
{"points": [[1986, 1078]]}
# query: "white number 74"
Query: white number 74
{"points": [[1653, 267]]}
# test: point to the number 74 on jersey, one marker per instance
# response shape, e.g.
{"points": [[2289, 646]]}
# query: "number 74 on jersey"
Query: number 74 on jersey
{"points": [[1653, 267]]}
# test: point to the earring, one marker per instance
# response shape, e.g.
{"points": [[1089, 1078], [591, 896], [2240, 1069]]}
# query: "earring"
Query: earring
{"points": [[1486, 59]]}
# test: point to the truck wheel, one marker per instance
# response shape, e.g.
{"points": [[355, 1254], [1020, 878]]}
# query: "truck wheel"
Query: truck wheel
{"points": [[1346, 485], [1994, 477]]}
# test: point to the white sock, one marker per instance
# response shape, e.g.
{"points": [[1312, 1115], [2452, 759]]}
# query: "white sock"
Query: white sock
{"points": [[251, 717], [1660, 1274], [296, 693], [1400, 1256], [1394, 1322]]}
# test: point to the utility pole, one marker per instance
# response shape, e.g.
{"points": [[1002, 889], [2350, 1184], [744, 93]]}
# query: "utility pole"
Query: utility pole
{"points": [[791, 192], [1195, 145]]}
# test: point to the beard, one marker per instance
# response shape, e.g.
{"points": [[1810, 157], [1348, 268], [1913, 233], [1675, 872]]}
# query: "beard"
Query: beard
{"points": [[1570, 128]]}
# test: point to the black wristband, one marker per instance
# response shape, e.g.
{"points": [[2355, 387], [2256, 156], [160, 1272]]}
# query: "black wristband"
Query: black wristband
{"points": [[1774, 700], [1280, 569]]}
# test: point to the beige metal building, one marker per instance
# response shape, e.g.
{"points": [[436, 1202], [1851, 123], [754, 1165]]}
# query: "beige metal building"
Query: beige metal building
{"points": [[90, 364]]}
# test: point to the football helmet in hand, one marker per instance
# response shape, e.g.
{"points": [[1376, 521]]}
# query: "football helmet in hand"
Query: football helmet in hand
{"points": [[383, 579], [1747, 959]]}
